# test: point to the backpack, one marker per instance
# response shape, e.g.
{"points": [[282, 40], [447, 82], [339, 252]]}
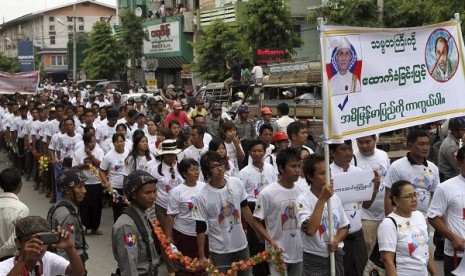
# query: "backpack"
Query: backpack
{"points": [[54, 223]]}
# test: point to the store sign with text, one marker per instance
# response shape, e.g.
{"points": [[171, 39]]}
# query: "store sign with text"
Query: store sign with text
{"points": [[163, 38], [263, 56], [378, 80]]}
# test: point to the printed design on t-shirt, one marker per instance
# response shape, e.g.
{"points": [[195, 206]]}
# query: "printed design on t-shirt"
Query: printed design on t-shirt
{"points": [[421, 181], [171, 184], [71, 228], [288, 215], [259, 187], [69, 147], [325, 225], [119, 166], [191, 202], [404, 227], [228, 215], [130, 241], [418, 238]]}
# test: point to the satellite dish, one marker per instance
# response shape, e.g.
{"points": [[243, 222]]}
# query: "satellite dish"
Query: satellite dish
{"points": [[138, 11]]}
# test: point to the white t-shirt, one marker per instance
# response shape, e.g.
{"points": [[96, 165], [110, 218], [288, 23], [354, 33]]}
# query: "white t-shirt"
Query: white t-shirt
{"points": [[104, 134], [166, 182], [231, 152], [18, 125], [78, 159], [221, 210], [66, 144], [54, 143], [51, 128], [410, 242], [352, 210], [113, 162], [277, 206], [35, 129], [151, 140], [182, 201], [255, 181], [379, 162], [194, 153], [318, 243], [425, 179], [141, 164], [258, 72], [27, 129], [131, 133], [449, 201], [52, 264]]}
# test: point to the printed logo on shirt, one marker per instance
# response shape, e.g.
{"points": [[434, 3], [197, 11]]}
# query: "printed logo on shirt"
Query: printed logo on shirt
{"points": [[288, 215], [325, 224], [420, 181], [130, 241], [71, 228], [119, 167], [228, 215], [171, 184], [191, 203], [418, 238], [259, 187]]}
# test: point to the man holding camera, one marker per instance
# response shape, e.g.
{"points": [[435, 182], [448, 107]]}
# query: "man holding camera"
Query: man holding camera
{"points": [[32, 237]]}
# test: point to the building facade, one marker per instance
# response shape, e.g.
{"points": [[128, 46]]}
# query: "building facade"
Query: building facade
{"points": [[51, 30]]}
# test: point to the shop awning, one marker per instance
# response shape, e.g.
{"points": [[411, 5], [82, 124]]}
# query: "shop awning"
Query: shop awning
{"points": [[171, 62]]}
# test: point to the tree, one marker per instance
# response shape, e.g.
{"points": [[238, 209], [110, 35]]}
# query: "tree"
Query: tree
{"points": [[270, 25], [363, 13], [104, 54], [220, 42], [8, 64]]}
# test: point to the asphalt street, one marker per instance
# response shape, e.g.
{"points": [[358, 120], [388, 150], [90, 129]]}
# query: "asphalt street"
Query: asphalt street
{"points": [[101, 261]]}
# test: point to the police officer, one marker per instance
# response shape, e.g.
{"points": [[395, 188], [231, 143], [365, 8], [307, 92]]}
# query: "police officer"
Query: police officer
{"points": [[71, 183], [245, 126], [133, 249]]}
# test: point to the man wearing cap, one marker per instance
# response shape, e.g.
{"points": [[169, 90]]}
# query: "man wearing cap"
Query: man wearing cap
{"points": [[447, 162], [71, 183], [344, 81], [178, 115], [200, 109], [33, 257], [136, 255], [266, 119], [244, 126], [214, 120]]}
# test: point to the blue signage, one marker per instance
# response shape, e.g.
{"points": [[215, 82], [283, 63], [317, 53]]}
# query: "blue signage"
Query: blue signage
{"points": [[26, 55]]}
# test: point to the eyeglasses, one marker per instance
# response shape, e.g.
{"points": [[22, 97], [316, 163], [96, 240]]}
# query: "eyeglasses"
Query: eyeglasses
{"points": [[410, 196], [217, 166], [173, 174]]}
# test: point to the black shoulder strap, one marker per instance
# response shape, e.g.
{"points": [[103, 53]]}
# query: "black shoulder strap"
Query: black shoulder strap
{"points": [[393, 221], [72, 211], [141, 227]]}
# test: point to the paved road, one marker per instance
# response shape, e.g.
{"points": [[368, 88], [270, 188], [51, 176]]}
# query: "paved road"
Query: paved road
{"points": [[101, 261]]}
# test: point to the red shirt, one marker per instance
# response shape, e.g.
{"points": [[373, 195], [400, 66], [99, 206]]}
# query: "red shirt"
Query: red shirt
{"points": [[182, 118]]}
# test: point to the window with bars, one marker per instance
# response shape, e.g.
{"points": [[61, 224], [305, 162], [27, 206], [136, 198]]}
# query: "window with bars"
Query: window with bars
{"points": [[52, 39], [60, 60]]}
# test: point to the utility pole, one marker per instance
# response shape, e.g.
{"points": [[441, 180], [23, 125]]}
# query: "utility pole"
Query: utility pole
{"points": [[380, 4], [74, 43]]}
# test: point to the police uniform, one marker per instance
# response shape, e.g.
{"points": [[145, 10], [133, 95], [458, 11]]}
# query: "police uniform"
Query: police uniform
{"points": [[213, 125], [130, 250], [71, 223], [245, 129]]}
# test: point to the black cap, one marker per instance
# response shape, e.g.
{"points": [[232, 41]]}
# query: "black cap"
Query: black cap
{"points": [[135, 180]]}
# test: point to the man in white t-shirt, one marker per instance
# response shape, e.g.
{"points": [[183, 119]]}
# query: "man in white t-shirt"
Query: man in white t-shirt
{"points": [[276, 206], [447, 213], [198, 148], [298, 135], [33, 257], [284, 119], [256, 75], [423, 174], [368, 157], [105, 132], [67, 142], [355, 256]]}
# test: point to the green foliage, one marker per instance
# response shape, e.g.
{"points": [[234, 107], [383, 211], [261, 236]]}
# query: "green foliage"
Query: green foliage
{"points": [[397, 13], [270, 25], [104, 58], [133, 34], [7, 64], [362, 13], [220, 42]]}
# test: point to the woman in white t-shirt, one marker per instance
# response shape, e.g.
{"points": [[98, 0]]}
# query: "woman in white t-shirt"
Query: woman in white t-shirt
{"points": [[219, 207], [139, 156], [180, 226], [312, 216], [404, 246], [217, 145], [151, 135], [228, 132], [111, 171]]}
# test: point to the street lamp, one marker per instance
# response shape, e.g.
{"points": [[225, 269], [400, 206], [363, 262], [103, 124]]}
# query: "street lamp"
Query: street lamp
{"points": [[74, 39]]}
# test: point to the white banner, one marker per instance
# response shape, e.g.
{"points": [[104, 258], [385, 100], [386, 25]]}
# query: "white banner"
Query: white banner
{"points": [[163, 38], [378, 80], [354, 186]]}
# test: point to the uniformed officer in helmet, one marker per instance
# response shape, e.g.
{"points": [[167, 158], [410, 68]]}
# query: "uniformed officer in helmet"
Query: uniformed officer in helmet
{"points": [[134, 255]]}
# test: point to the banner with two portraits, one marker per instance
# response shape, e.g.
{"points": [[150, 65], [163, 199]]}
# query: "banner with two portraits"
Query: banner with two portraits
{"points": [[378, 80]]}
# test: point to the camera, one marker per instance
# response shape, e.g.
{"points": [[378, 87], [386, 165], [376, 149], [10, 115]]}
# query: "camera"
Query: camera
{"points": [[50, 237]]}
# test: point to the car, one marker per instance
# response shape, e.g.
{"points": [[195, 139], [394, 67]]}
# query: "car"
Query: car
{"points": [[135, 96], [83, 83], [107, 86]]}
